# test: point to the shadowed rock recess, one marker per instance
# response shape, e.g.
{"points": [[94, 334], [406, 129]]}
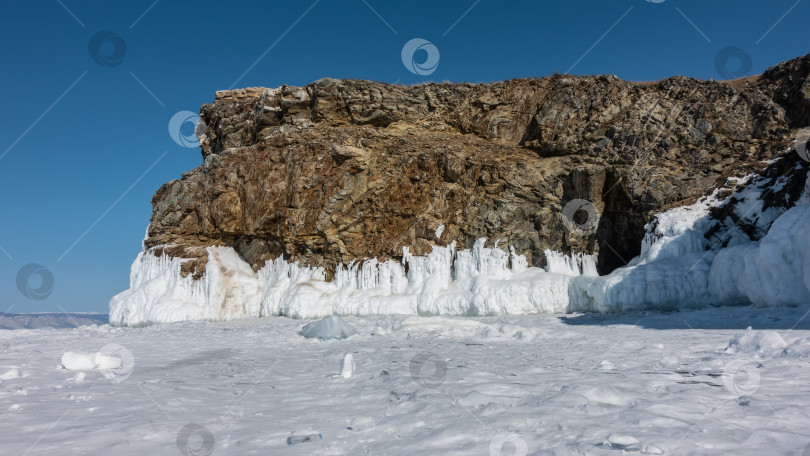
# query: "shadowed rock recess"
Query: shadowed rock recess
{"points": [[341, 170]]}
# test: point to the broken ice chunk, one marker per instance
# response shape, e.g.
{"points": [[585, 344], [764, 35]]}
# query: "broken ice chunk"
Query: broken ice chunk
{"points": [[329, 328]]}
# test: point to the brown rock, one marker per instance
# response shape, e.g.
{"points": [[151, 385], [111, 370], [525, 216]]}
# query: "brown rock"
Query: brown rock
{"points": [[344, 169]]}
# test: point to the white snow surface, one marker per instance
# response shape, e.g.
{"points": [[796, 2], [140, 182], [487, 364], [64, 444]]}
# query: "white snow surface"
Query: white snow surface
{"points": [[691, 382], [678, 268]]}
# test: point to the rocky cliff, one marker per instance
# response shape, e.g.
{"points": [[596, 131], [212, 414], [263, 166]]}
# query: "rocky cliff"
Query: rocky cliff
{"points": [[341, 170]]}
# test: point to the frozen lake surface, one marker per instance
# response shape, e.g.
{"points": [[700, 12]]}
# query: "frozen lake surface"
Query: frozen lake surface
{"points": [[691, 382]]}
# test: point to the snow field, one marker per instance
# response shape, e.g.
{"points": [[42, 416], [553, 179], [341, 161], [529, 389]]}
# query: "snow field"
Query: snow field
{"points": [[690, 382]]}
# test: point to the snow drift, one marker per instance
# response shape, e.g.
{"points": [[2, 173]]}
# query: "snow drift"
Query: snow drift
{"points": [[679, 266]]}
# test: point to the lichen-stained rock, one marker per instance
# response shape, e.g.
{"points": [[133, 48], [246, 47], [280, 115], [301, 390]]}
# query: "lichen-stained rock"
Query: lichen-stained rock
{"points": [[344, 169]]}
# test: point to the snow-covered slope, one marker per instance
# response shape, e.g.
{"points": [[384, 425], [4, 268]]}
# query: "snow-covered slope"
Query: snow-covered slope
{"points": [[686, 261], [681, 268]]}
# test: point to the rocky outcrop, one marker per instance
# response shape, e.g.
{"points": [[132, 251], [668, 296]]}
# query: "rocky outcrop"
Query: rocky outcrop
{"points": [[341, 170]]}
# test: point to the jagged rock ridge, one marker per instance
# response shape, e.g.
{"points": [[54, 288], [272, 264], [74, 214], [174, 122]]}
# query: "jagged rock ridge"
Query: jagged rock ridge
{"points": [[341, 170]]}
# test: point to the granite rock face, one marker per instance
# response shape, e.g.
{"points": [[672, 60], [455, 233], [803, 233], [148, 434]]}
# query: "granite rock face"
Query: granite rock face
{"points": [[341, 170]]}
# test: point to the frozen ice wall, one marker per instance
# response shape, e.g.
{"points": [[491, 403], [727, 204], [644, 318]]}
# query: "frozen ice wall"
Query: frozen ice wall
{"points": [[158, 292], [573, 264], [478, 281]]}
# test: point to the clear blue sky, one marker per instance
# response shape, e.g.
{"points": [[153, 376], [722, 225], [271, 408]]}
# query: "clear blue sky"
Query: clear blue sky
{"points": [[67, 164]]}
